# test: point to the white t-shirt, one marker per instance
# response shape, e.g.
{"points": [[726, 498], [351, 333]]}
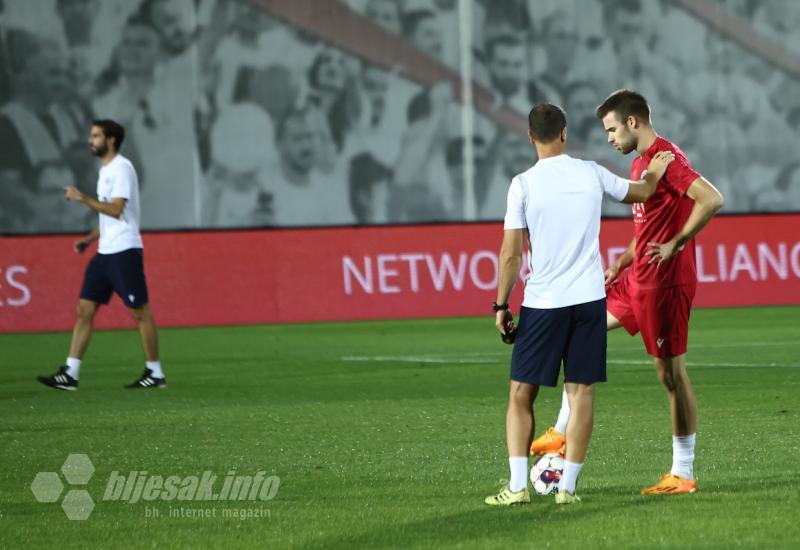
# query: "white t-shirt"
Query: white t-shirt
{"points": [[118, 180], [558, 201], [324, 200]]}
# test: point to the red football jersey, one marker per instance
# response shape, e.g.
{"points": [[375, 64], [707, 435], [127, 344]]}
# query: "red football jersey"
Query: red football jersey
{"points": [[661, 218]]}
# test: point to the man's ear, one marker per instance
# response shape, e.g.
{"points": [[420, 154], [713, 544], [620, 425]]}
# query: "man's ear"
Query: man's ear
{"points": [[633, 122], [564, 135], [530, 137]]}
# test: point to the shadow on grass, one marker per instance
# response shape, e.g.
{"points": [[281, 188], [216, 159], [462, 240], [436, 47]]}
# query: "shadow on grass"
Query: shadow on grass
{"points": [[476, 526], [473, 527]]}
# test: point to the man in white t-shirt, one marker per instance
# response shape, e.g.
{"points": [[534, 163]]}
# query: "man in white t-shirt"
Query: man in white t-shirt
{"points": [[302, 195], [556, 203], [118, 265]]}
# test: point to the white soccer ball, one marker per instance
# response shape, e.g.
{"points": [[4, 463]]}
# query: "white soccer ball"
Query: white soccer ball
{"points": [[546, 473]]}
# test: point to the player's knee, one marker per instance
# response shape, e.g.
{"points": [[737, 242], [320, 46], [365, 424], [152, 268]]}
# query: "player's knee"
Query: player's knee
{"points": [[580, 393], [670, 378], [584, 390], [140, 315], [667, 380], [521, 395], [85, 312]]}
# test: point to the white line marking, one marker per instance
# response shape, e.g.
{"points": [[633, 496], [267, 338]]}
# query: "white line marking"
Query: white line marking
{"points": [[613, 349], [700, 364], [730, 345]]}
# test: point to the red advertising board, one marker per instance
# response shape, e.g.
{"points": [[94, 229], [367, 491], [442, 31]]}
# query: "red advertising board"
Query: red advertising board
{"points": [[269, 276]]}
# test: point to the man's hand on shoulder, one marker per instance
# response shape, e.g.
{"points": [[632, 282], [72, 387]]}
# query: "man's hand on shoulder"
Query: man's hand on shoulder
{"points": [[659, 163]]}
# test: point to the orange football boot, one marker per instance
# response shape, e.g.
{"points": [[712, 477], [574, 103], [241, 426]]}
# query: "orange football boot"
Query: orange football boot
{"points": [[670, 484], [550, 442]]}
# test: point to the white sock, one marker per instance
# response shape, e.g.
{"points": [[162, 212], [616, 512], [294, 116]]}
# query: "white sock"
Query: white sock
{"points": [[155, 366], [519, 473], [563, 415], [569, 477], [683, 456], [74, 367]]}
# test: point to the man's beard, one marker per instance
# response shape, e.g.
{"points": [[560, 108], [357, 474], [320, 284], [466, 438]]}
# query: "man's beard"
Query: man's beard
{"points": [[100, 151], [628, 147]]}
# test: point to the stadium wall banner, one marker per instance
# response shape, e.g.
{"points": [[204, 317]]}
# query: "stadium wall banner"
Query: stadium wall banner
{"points": [[276, 276]]}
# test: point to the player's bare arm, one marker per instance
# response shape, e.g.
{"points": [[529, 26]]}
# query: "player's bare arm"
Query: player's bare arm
{"points": [[92, 236], [707, 201], [510, 262], [424, 137], [642, 190], [624, 260], [113, 208]]}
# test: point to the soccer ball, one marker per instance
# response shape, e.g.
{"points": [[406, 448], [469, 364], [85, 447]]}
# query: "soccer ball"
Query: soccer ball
{"points": [[546, 473]]}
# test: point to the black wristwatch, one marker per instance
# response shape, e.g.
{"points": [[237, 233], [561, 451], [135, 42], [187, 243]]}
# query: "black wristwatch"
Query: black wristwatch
{"points": [[499, 307]]}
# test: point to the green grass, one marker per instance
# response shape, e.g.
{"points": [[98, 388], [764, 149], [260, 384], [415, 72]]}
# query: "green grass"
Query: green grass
{"points": [[400, 452]]}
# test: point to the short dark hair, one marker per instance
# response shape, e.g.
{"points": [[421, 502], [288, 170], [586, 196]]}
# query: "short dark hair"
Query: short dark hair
{"points": [[546, 121], [410, 20], [625, 103], [111, 129]]}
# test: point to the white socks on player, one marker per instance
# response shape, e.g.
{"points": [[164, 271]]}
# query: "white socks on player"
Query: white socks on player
{"points": [[155, 366], [73, 367], [519, 473], [569, 477], [683, 456], [563, 415]]}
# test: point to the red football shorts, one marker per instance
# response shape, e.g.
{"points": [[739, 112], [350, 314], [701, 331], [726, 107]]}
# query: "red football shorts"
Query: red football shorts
{"points": [[661, 315]]}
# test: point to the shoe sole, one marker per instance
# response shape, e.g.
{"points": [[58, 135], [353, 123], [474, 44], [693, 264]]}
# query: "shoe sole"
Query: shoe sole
{"points": [[654, 493], [58, 386], [539, 452], [521, 503]]}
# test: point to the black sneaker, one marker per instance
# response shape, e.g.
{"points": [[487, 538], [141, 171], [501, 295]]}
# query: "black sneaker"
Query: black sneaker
{"points": [[60, 380], [148, 381]]}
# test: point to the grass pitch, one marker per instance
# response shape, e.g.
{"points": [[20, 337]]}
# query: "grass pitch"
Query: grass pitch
{"points": [[390, 434]]}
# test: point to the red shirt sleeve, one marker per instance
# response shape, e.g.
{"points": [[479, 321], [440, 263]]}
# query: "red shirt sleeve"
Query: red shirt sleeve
{"points": [[680, 174]]}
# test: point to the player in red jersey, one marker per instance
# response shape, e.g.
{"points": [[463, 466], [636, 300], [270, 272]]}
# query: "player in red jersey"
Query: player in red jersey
{"points": [[655, 296]]}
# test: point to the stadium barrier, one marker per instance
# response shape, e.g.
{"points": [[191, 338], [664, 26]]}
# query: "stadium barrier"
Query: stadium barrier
{"points": [[275, 276]]}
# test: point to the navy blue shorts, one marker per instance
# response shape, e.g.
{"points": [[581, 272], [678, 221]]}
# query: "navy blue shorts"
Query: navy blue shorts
{"points": [[575, 335], [122, 273]]}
